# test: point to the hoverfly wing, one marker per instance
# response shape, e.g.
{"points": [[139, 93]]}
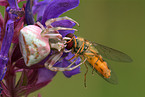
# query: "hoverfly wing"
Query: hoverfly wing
{"points": [[112, 79], [111, 53]]}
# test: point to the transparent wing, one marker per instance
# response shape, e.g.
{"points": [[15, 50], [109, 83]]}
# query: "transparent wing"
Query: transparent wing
{"points": [[113, 78], [111, 54]]}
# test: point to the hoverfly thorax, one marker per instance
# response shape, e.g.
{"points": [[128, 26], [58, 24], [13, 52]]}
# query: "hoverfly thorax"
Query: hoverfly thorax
{"points": [[78, 45]]}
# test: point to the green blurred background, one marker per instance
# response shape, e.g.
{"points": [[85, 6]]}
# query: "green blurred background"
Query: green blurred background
{"points": [[119, 24]]}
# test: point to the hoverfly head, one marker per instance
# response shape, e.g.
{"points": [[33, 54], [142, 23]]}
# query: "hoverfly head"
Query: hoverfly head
{"points": [[70, 43]]}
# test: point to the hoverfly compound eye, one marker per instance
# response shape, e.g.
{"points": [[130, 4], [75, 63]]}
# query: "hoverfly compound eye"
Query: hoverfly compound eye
{"points": [[70, 35], [70, 42]]}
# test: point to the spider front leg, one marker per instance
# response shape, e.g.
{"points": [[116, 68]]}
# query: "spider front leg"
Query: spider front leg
{"points": [[50, 21], [52, 29], [53, 36], [49, 28], [54, 58], [56, 41], [59, 28]]}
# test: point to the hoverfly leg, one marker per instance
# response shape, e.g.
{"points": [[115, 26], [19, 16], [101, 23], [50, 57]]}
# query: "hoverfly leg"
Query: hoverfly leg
{"points": [[93, 69], [72, 68], [72, 63], [50, 21], [85, 81], [76, 54], [71, 39]]}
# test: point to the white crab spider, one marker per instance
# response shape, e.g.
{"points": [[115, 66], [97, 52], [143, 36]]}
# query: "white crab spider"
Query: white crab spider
{"points": [[35, 43]]}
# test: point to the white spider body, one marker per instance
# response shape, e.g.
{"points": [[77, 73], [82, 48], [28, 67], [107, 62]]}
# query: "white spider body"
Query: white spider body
{"points": [[33, 46]]}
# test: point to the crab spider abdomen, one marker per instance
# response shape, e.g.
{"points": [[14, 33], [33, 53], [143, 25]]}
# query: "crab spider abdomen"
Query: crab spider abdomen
{"points": [[34, 47]]}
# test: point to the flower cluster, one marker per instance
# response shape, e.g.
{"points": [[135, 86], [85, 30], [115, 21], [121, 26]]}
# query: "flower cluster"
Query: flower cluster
{"points": [[11, 61]]}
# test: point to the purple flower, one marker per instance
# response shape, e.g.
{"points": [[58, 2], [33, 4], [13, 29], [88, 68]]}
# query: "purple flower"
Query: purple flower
{"points": [[11, 61], [9, 32], [65, 63], [13, 15], [48, 9]]}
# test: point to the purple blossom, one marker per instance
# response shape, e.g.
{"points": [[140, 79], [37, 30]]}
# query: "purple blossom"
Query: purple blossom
{"points": [[8, 31], [11, 61], [48, 9]]}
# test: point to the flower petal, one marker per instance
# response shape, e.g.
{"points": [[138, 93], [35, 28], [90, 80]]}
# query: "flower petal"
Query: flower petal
{"points": [[64, 23], [3, 68], [18, 27], [70, 55], [13, 4], [57, 7], [5, 47], [69, 74], [45, 75], [75, 71], [7, 38], [28, 13], [39, 7], [16, 54], [72, 72], [64, 63], [28, 82]]}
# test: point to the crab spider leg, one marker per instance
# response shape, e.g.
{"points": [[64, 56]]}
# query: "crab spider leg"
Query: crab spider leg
{"points": [[59, 46], [50, 21], [41, 26], [67, 51], [60, 28], [50, 66], [72, 68], [45, 30], [72, 63], [66, 38], [55, 30], [52, 60], [53, 35]]}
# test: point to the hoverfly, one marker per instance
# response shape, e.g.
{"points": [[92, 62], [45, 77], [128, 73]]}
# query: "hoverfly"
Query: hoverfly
{"points": [[93, 54], [90, 52]]}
